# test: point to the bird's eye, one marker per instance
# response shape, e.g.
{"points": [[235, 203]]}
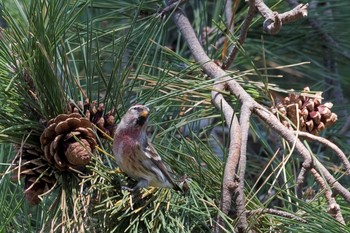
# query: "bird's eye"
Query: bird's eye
{"points": [[134, 109], [137, 108]]}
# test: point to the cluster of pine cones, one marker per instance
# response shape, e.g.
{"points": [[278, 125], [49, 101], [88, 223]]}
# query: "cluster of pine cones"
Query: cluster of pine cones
{"points": [[104, 121], [66, 144], [306, 112]]}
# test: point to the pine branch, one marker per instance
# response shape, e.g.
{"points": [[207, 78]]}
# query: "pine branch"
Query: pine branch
{"points": [[250, 106]]}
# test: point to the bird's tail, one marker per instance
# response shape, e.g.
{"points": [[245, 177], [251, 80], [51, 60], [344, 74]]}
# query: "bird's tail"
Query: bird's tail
{"points": [[177, 188], [183, 186]]}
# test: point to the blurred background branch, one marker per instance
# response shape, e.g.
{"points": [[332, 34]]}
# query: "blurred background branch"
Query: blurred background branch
{"points": [[70, 69]]}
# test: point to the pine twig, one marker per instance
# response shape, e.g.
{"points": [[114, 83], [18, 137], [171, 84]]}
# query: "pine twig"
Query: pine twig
{"points": [[333, 207], [229, 15], [300, 182], [242, 36], [309, 162], [274, 21], [329, 144], [275, 212], [172, 6]]}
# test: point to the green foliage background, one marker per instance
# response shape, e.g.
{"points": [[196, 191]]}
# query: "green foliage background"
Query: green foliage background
{"points": [[123, 52]]}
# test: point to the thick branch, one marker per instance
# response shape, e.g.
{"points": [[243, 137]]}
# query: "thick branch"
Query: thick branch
{"points": [[229, 183], [213, 70], [288, 135], [209, 67], [219, 76], [244, 121]]}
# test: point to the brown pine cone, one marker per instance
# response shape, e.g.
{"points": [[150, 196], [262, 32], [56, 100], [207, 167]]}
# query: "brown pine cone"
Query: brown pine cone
{"points": [[68, 141], [38, 175], [104, 121], [33, 188], [308, 112]]}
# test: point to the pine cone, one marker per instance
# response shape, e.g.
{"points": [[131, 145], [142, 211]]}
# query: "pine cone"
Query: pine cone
{"points": [[37, 173], [68, 141], [96, 114], [34, 187], [313, 116]]}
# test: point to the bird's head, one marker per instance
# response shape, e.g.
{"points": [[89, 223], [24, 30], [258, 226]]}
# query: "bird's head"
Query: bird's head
{"points": [[136, 116]]}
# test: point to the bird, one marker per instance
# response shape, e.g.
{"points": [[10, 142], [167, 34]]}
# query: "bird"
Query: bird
{"points": [[135, 154]]}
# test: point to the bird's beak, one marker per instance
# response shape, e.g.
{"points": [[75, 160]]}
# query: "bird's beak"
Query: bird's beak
{"points": [[144, 113]]}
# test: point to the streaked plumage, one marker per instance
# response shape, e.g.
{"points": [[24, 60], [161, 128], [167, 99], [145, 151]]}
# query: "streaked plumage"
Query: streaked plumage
{"points": [[135, 154]]}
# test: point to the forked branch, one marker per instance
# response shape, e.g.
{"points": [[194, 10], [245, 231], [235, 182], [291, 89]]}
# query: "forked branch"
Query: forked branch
{"points": [[239, 130], [274, 21]]}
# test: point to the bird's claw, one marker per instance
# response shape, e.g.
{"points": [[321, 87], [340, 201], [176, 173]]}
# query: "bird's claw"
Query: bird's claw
{"points": [[127, 189]]}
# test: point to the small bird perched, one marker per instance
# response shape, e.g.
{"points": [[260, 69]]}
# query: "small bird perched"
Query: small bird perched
{"points": [[135, 154]]}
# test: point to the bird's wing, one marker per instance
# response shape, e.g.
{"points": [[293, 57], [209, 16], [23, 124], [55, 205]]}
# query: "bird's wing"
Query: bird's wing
{"points": [[152, 154]]}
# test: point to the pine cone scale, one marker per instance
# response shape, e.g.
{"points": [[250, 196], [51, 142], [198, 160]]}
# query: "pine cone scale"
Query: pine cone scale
{"points": [[62, 127]]}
